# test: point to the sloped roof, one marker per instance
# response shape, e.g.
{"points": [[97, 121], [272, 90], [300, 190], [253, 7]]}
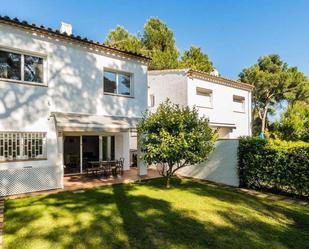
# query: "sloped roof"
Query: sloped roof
{"points": [[73, 38], [206, 76]]}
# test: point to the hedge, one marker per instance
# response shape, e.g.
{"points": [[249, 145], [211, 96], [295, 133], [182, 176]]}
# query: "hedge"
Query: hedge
{"points": [[274, 165]]}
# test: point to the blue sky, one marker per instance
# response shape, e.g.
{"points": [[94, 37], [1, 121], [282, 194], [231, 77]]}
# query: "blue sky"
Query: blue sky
{"points": [[233, 33]]}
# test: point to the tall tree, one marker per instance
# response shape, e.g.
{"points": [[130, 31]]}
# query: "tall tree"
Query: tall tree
{"points": [[122, 39], [174, 137], [274, 82], [159, 41], [194, 58], [294, 123]]}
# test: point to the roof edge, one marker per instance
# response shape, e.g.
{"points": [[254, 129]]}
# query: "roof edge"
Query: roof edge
{"points": [[206, 76], [74, 38]]}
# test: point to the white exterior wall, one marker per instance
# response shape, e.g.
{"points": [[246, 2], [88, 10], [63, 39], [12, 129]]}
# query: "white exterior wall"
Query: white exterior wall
{"points": [[222, 110], [74, 77], [165, 85], [181, 89], [221, 166]]}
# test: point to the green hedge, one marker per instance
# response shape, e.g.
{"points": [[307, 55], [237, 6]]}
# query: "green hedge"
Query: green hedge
{"points": [[274, 165]]}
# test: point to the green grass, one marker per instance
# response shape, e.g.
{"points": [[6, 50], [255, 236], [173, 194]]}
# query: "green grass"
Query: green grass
{"points": [[146, 215]]}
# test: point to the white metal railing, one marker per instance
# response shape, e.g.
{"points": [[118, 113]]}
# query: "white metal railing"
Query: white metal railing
{"points": [[22, 146]]}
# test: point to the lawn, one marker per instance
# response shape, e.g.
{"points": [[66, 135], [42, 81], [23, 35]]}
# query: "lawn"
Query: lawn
{"points": [[146, 215]]}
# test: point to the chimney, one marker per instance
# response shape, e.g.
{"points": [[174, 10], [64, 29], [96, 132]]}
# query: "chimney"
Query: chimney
{"points": [[65, 28], [215, 72]]}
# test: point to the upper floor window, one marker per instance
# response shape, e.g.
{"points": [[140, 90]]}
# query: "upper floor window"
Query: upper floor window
{"points": [[205, 97], [22, 146], [239, 103], [151, 100], [21, 67], [117, 83]]}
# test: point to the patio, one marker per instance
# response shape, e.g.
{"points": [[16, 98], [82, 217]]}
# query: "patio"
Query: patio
{"points": [[83, 181]]}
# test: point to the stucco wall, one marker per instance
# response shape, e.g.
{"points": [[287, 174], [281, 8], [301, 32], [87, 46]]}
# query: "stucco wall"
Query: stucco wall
{"points": [[168, 85], [221, 167], [74, 77], [222, 110], [75, 80]]}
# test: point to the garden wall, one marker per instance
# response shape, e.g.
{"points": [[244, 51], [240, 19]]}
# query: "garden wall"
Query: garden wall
{"points": [[221, 167]]}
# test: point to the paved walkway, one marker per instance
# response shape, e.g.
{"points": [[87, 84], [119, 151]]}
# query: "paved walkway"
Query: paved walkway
{"points": [[259, 194]]}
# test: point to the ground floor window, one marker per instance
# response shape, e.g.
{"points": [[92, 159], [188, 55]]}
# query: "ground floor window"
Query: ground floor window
{"points": [[22, 146]]}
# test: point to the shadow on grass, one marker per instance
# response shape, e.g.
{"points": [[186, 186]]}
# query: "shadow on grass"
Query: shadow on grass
{"points": [[120, 217]]}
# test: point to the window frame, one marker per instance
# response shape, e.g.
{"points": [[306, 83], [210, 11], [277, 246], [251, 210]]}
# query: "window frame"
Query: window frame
{"points": [[151, 100], [22, 53], [208, 92], [22, 145], [117, 72], [243, 101]]}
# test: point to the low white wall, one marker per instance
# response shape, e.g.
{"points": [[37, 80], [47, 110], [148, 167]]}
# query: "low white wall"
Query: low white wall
{"points": [[26, 180], [221, 167]]}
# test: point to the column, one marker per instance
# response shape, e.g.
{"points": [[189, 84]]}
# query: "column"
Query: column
{"points": [[141, 165], [60, 141], [126, 150], [100, 148]]}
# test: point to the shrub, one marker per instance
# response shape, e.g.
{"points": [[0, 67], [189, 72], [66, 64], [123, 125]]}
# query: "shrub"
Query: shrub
{"points": [[274, 165]]}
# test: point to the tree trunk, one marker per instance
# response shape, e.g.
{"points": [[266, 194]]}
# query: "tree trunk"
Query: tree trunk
{"points": [[168, 179], [264, 116]]}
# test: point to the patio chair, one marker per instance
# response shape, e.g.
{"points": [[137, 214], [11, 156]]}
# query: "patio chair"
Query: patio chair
{"points": [[106, 168], [119, 167]]}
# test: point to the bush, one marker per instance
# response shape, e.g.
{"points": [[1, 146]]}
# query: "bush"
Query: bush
{"points": [[274, 165]]}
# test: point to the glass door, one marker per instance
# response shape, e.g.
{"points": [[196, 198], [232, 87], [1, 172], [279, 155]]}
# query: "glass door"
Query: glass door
{"points": [[71, 154]]}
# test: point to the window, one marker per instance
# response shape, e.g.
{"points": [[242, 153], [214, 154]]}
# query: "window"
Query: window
{"points": [[204, 97], [22, 145], [117, 83], [21, 67], [151, 100], [238, 103], [10, 64]]}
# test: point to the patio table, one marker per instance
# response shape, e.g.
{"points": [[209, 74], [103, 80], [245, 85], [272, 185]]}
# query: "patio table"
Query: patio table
{"points": [[94, 168]]}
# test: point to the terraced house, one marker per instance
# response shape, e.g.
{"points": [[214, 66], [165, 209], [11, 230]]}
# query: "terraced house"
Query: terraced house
{"points": [[226, 103], [64, 101], [68, 103]]}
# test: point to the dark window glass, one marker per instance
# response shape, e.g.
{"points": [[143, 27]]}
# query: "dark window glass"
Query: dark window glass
{"points": [[124, 84], [112, 148], [110, 85], [104, 149], [33, 69], [10, 64]]}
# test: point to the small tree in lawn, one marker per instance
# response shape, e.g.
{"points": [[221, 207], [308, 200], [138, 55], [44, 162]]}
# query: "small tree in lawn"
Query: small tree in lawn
{"points": [[174, 137]]}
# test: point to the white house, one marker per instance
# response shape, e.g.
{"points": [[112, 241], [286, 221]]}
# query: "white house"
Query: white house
{"points": [[226, 103], [63, 100]]}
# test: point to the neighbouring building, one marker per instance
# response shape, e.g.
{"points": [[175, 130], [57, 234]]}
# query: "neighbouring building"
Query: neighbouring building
{"points": [[226, 103], [64, 100]]}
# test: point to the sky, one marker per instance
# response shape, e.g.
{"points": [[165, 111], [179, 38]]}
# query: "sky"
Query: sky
{"points": [[233, 33]]}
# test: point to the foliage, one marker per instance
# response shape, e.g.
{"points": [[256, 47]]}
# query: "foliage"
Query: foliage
{"points": [[159, 40], [194, 58], [274, 165], [274, 82], [120, 38], [294, 123], [174, 137]]}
